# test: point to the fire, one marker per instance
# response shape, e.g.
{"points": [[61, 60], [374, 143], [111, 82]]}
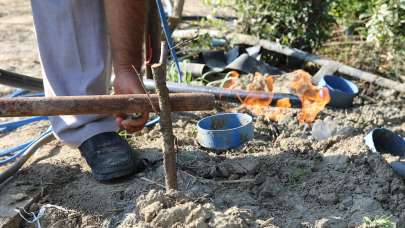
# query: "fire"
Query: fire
{"points": [[279, 113], [259, 83], [312, 98]]}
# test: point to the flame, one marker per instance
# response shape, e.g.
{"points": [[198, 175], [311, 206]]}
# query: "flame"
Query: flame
{"points": [[232, 80], [313, 99], [281, 110], [259, 83]]}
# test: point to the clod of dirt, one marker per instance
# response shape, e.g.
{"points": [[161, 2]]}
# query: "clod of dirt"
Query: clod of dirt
{"points": [[173, 209]]}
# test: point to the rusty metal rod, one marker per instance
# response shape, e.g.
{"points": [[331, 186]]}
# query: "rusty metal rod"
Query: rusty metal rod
{"points": [[103, 104]]}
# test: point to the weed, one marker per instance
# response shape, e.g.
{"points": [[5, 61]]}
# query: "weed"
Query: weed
{"points": [[378, 222]]}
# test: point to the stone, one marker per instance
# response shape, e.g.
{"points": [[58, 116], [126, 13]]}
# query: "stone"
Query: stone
{"points": [[323, 129], [331, 222], [270, 188]]}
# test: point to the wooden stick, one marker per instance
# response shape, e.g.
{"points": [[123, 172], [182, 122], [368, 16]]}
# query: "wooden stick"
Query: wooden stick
{"points": [[159, 74], [103, 104], [298, 54]]}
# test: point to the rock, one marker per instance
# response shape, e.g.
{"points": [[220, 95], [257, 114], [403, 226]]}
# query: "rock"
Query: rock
{"points": [[346, 131], [270, 188], [328, 198], [250, 165], [149, 212], [323, 129], [18, 197], [332, 222], [241, 167]]}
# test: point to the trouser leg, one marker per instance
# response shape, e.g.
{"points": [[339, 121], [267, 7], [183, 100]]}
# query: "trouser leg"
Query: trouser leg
{"points": [[75, 59]]}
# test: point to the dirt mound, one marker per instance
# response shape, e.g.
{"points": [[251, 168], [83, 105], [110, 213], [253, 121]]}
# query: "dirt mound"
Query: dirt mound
{"points": [[174, 209]]}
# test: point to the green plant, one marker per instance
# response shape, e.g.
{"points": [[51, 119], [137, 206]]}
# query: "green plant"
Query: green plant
{"points": [[379, 222], [348, 13], [173, 75], [300, 24], [385, 30]]}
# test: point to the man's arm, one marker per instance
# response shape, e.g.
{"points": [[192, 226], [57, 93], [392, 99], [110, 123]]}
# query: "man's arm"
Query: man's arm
{"points": [[126, 21]]}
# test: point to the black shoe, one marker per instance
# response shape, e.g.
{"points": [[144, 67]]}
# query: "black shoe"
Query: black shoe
{"points": [[109, 156]]}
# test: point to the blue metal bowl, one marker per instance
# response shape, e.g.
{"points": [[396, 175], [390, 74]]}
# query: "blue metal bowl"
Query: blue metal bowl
{"points": [[384, 141], [225, 131], [342, 91]]}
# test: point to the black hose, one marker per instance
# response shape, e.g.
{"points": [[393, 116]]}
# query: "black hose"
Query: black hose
{"points": [[20, 81]]}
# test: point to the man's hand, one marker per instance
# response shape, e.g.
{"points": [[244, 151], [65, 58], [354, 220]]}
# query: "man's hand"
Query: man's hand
{"points": [[126, 83]]}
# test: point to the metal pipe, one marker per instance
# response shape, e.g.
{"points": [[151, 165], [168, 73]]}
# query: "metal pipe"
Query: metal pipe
{"points": [[233, 95], [102, 104], [219, 93]]}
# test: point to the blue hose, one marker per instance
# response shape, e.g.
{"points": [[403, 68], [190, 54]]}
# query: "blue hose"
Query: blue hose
{"points": [[10, 126], [25, 93], [14, 149], [21, 149]]}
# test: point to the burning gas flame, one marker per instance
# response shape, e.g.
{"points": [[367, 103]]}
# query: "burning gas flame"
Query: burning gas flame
{"points": [[313, 99], [280, 112]]}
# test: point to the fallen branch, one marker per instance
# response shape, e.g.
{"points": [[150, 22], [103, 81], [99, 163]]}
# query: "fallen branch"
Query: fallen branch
{"points": [[295, 53], [159, 74]]}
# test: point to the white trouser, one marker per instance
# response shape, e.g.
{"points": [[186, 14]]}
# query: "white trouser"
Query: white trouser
{"points": [[75, 57]]}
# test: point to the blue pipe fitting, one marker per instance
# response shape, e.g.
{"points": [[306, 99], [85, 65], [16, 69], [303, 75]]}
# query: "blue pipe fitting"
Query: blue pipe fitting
{"points": [[384, 141], [342, 91], [225, 131]]}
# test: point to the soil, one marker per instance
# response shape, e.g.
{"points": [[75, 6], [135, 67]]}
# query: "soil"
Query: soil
{"points": [[282, 178]]}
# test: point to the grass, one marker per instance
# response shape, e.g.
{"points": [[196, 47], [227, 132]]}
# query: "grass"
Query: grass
{"points": [[173, 75], [378, 222]]}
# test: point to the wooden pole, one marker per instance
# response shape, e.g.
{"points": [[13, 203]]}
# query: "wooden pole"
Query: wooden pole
{"points": [[296, 53], [175, 19], [159, 74], [103, 104]]}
